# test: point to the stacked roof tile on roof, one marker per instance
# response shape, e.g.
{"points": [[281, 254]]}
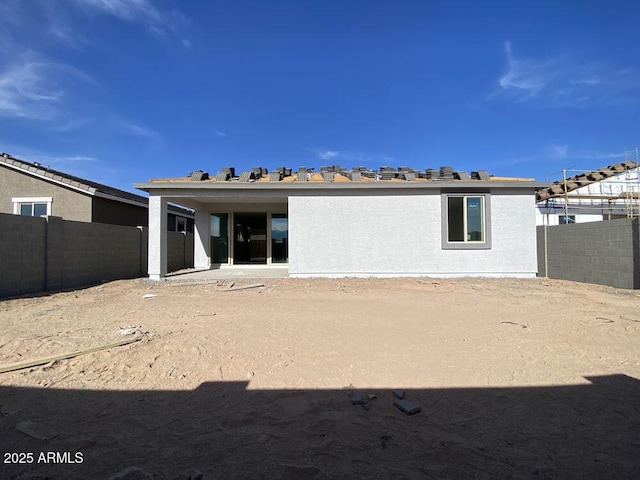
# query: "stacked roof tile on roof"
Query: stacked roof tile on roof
{"points": [[337, 173]]}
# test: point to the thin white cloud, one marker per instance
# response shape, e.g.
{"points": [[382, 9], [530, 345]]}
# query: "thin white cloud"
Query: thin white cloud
{"points": [[36, 88], [128, 10], [158, 21], [26, 93], [328, 154], [64, 21], [584, 81], [563, 81], [79, 158], [138, 131], [604, 156], [70, 125], [124, 126], [66, 35], [220, 134], [526, 77], [555, 153], [350, 157]]}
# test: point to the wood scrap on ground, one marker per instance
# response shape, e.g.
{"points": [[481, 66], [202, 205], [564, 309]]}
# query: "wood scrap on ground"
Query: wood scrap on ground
{"points": [[10, 367], [244, 287]]}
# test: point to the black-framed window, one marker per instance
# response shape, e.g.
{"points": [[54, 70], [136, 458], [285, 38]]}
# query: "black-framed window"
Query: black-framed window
{"points": [[466, 221]]}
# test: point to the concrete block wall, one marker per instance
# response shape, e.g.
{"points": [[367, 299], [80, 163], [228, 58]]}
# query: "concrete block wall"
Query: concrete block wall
{"points": [[605, 253], [46, 254], [97, 252], [22, 255], [179, 251], [188, 251]]}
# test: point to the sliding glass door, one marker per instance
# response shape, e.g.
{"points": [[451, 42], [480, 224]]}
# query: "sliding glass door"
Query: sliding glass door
{"points": [[219, 238], [279, 238], [242, 238], [250, 238]]}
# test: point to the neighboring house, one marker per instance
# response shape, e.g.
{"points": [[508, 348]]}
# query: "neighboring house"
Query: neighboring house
{"points": [[33, 189], [339, 223], [608, 193]]}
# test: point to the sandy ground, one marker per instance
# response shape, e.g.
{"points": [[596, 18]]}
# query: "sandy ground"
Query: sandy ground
{"points": [[515, 379]]}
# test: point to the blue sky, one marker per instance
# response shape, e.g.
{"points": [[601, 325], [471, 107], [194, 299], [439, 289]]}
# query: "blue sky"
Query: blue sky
{"points": [[120, 91]]}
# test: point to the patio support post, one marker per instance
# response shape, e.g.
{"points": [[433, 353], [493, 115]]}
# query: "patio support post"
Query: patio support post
{"points": [[202, 240], [157, 237]]}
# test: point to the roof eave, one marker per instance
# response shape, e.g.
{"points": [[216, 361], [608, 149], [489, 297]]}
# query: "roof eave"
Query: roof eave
{"points": [[151, 187]]}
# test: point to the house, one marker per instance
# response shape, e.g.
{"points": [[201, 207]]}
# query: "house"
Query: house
{"points": [[338, 223], [36, 190], [608, 193]]}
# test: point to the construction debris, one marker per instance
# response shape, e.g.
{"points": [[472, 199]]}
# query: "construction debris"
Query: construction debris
{"points": [[42, 361], [243, 287], [407, 407], [132, 473], [29, 428], [514, 323], [129, 330], [399, 393]]}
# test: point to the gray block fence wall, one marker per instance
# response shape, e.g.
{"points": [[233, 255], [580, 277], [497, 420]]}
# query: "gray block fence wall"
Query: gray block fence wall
{"points": [[22, 254], [44, 254], [605, 253]]}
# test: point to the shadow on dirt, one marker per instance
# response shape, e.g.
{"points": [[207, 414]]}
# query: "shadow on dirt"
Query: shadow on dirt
{"points": [[226, 430]]}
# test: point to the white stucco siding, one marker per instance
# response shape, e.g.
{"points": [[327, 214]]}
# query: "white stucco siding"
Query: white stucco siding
{"points": [[401, 236], [358, 235]]}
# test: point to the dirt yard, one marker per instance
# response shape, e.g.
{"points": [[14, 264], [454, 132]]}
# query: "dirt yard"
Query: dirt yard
{"points": [[514, 378]]}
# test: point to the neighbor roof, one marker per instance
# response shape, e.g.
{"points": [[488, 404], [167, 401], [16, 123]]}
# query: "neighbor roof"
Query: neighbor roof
{"points": [[83, 185], [560, 187]]}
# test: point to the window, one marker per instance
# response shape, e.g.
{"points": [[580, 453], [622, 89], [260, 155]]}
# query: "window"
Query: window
{"points": [[279, 238], [219, 238], [32, 206], [466, 221], [564, 219], [181, 224]]}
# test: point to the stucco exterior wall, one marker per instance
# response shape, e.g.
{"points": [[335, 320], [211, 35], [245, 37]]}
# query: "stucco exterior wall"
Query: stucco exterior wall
{"points": [[400, 235], [67, 203]]}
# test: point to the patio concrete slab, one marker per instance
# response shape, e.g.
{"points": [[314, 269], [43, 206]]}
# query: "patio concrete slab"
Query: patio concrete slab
{"points": [[229, 273]]}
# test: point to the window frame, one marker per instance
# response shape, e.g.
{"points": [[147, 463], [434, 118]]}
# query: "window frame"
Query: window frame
{"points": [[181, 219], [19, 201], [466, 244], [562, 219], [277, 215]]}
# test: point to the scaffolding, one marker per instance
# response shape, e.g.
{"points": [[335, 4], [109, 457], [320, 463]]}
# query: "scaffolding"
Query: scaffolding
{"points": [[604, 194]]}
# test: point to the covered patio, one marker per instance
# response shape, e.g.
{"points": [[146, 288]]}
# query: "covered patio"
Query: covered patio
{"points": [[238, 232]]}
